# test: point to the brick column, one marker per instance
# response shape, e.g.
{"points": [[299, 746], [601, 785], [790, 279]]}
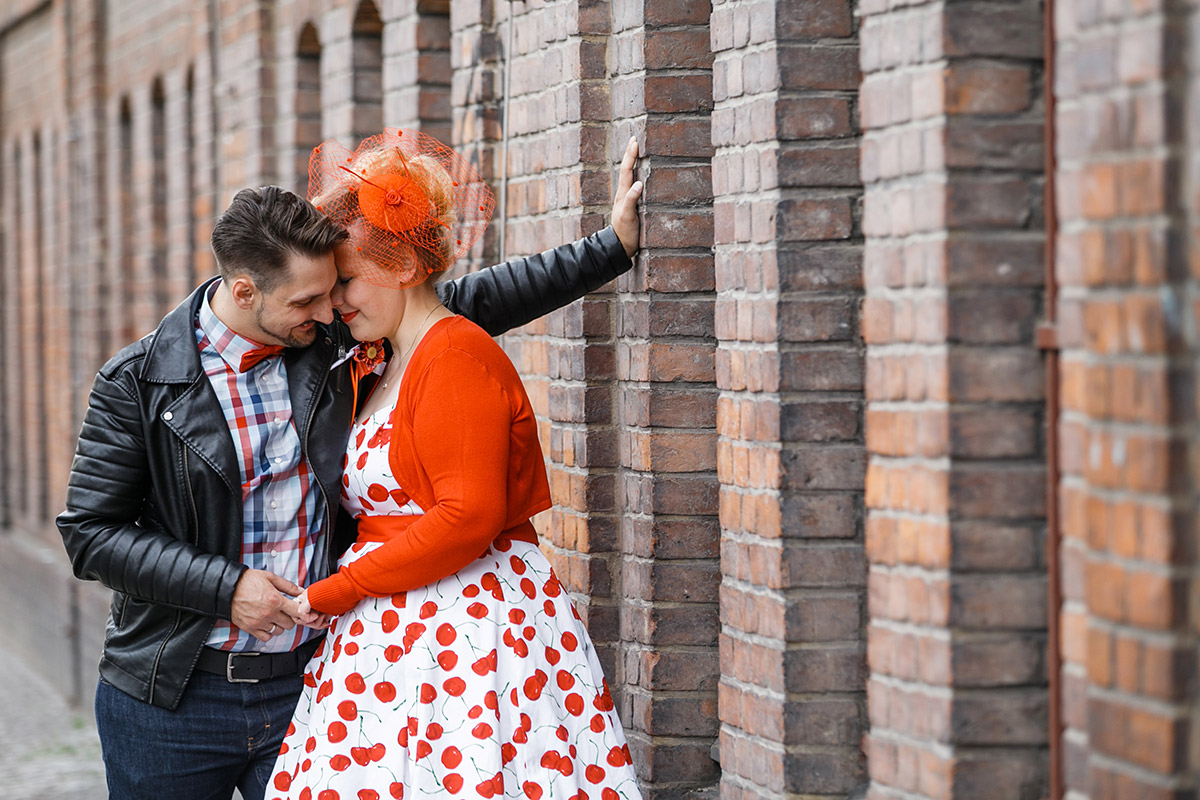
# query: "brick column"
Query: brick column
{"points": [[206, 166], [297, 98], [31, 326], [632, 533], [139, 269], [14, 353], [668, 666], [475, 97], [118, 224], [789, 367], [178, 150], [84, 204], [559, 168], [401, 64], [1127, 269], [352, 72], [246, 96], [952, 161], [57, 254], [416, 67], [58, 429]]}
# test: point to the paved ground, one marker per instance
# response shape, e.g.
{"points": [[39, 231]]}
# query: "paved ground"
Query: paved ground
{"points": [[47, 749]]}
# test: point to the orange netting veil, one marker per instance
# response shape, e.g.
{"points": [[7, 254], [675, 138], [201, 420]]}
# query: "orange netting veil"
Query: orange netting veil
{"points": [[412, 205]]}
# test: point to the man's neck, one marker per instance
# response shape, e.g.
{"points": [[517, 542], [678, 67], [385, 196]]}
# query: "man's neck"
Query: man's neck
{"points": [[231, 316]]}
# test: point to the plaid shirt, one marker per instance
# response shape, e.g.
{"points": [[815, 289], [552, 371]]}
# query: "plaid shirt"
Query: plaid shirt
{"points": [[282, 506]]}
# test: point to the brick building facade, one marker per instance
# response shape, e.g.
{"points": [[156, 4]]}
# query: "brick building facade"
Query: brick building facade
{"points": [[878, 475]]}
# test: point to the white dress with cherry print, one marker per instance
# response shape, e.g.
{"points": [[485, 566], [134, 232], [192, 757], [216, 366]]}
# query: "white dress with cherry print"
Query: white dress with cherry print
{"points": [[483, 684]]}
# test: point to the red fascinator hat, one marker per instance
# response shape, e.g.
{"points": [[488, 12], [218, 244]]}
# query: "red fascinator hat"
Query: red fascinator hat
{"points": [[412, 205]]}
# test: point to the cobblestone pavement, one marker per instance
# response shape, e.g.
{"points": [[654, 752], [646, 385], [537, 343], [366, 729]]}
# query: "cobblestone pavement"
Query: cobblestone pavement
{"points": [[47, 749]]}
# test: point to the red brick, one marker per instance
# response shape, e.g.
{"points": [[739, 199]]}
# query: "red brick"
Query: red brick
{"points": [[976, 87]]}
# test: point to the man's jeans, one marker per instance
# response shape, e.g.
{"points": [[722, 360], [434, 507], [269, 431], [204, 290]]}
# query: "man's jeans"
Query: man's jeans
{"points": [[222, 735]]}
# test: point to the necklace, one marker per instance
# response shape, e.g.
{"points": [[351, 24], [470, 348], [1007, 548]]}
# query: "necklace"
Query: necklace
{"points": [[408, 350]]}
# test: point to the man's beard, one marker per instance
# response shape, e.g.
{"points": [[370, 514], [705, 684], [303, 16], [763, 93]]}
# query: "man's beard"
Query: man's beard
{"points": [[287, 337]]}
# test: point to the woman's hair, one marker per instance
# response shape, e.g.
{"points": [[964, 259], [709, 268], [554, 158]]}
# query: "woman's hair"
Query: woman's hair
{"points": [[263, 227]]}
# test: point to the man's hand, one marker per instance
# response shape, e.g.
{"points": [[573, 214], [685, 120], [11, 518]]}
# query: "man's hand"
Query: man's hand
{"points": [[624, 213], [260, 606]]}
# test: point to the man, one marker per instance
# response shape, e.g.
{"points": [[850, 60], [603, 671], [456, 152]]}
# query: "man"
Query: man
{"points": [[205, 487]]}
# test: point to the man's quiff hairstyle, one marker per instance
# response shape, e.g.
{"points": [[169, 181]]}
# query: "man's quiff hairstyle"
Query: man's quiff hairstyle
{"points": [[263, 227]]}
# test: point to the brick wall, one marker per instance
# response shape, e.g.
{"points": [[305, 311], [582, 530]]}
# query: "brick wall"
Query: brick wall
{"points": [[797, 454], [951, 158], [790, 371], [667, 489], [1127, 331], [417, 67]]}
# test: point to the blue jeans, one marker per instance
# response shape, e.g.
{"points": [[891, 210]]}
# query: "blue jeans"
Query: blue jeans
{"points": [[222, 735]]}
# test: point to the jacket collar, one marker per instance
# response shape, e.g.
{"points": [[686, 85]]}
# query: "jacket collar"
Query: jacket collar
{"points": [[173, 356]]}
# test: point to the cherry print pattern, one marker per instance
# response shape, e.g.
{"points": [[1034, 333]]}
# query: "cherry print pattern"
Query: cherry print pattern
{"points": [[483, 684], [365, 487], [493, 721]]}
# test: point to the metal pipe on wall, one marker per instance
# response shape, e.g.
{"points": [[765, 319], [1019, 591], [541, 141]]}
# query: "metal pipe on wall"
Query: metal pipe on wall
{"points": [[1048, 342]]}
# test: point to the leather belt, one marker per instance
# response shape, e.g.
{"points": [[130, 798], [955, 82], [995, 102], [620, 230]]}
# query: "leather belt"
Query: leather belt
{"points": [[252, 667]]}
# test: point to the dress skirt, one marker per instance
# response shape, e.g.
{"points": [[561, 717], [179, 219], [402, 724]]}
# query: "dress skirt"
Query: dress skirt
{"points": [[482, 684]]}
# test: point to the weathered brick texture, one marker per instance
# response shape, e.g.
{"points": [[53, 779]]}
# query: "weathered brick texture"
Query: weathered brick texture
{"points": [[1127, 267], [789, 417], [666, 397], [952, 163]]}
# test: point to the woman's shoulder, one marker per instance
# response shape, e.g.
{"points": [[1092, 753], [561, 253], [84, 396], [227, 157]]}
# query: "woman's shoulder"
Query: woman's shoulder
{"points": [[462, 331], [459, 340]]}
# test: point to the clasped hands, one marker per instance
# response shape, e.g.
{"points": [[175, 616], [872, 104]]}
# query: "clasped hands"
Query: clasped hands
{"points": [[265, 605]]}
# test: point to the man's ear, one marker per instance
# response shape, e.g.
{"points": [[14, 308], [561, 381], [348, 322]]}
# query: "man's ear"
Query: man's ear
{"points": [[243, 291]]}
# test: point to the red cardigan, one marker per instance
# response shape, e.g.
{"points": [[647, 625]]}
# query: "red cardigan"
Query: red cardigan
{"points": [[464, 446]]}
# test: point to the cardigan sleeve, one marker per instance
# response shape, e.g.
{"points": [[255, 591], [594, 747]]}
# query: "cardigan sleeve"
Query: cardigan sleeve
{"points": [[461, 419]]}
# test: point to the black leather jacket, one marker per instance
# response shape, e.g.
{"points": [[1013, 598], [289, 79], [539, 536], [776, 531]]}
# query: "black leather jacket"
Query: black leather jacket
{"points": [[154, 508]]}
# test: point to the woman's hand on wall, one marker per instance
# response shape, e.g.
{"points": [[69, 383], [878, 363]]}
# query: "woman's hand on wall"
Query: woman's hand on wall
{"points": [[624, 213]]}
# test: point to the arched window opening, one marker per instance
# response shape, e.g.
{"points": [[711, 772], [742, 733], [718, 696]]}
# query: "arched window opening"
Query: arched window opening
{"points": [[367, 66], [189, 174], [39, 455], [308, 102], [157, 195], [433, 69], [124, 325]]}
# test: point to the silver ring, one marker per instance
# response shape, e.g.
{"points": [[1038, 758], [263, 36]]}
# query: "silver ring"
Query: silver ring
{"points": [[272, 631]]}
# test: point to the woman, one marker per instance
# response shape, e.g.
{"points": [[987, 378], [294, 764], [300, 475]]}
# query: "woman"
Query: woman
{"points": [[456, 665]]}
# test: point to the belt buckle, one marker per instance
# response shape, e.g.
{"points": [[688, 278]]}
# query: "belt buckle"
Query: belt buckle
{"points": [[229, 667]]}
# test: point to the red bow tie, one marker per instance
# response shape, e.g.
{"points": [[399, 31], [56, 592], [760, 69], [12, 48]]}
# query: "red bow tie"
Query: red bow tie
{"points": [[252, 357]]}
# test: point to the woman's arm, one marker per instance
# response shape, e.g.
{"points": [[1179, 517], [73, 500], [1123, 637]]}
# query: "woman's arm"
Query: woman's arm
{"points": [[516, 292]]}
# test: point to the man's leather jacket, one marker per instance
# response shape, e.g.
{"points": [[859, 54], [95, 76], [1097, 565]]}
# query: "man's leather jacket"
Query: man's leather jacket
{"points": [[154, 502]]}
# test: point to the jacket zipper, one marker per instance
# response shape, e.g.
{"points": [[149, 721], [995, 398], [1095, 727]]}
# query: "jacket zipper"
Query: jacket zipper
{"points": [[187, 485], [193, 538]]}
